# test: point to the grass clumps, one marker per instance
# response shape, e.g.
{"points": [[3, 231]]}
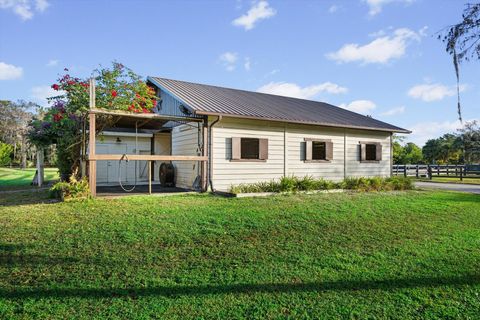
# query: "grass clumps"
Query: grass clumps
{"points": [[308, 183]]}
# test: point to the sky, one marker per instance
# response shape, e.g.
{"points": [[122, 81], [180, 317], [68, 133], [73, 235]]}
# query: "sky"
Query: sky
{"points": [[376, 57]]}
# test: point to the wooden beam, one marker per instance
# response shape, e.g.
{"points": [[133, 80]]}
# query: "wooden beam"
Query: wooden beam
{"points": [[92, 168], [145, 157], [150, 116]]}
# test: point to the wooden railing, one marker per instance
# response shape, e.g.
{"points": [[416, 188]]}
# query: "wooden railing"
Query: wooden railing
{"points": [[434, 170]]}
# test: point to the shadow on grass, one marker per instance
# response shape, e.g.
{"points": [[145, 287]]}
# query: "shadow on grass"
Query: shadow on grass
{"points": [[173, 291], [12, 255], [25, 197]]}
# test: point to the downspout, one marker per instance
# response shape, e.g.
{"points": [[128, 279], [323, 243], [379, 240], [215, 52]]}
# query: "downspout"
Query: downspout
{"points": [[210, 152]]}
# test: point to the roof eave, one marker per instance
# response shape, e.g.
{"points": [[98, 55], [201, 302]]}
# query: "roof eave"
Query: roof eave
{"points": [[399, 130]]}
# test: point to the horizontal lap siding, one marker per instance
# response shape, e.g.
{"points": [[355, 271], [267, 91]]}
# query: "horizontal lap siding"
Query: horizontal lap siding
{"points": [[355, 168], [296, 165], [227, 173], [185, 143]]}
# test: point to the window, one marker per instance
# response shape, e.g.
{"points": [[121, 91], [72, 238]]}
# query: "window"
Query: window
{"points": [[249, 149], [318, 150], [370, 151]]}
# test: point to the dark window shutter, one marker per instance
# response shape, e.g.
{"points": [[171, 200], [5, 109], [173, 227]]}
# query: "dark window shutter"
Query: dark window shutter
{"points": [[308, 150], [329, 150], [363, 152], [263, 149], [236, 151], [378, 156]]}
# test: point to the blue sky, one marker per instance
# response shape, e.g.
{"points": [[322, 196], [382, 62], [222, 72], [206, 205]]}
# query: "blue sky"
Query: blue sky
{"points": [[376, 57]]}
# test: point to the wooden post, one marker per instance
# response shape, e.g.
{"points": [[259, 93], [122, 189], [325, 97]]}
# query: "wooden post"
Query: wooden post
{"points": [[461, 173], [149, 177], [92, 168], [429, 172], [416, 171], [405, 171], [40, 167]]}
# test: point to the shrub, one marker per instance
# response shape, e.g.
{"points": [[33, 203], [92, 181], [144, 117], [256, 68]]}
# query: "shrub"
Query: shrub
{"points": [[73, 189], [308, 183], [6, 151]]}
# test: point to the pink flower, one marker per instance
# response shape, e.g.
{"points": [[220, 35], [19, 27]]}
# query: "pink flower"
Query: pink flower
{"points": [[55, 87], [113, 93]]}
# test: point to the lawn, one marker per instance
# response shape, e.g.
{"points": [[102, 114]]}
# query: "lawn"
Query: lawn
{"points": [[350, 256], [20, 179]]}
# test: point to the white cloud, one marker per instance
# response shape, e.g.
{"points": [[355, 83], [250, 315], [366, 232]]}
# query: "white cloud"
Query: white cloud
{"points": [[260, 10], [52, 63], [25, 9], [433, 92], [333, 8], [380, 50], [247, 65], [229, 60], [423, 131], [41, 93], [359, 106], [393, 111], [376, 6], [293, 90], [9, 71]]}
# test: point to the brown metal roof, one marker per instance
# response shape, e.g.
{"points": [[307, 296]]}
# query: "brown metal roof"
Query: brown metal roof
{"points": [[212, 100]]}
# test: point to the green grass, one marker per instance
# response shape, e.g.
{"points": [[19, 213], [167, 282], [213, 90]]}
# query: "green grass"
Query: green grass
{"points": [[20, 179], [453, 180], [399, 255]]}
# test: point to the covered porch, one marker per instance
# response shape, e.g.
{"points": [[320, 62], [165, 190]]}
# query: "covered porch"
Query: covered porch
{"points": [[152, 159]]}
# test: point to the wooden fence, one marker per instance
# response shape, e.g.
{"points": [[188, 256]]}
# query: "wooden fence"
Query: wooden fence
{"points": [[434, 170]]}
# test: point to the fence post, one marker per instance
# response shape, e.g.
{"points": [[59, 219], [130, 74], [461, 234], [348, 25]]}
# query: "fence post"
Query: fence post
{"points": [[429, 172], [461, 173], [416, 172], [405, 171]]}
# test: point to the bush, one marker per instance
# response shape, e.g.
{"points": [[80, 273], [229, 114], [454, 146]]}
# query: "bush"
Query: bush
{"points": [[308, 183], [73, 189], [6, 151]]}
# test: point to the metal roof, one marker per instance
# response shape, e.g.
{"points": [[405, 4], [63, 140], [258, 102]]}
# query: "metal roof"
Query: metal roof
{"points": [[212, 100]]}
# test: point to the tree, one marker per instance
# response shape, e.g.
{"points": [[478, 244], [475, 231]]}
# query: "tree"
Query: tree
{"points": [[469, 139], [412, 154], [443, 150], [65, 123], [14, 120], [463, 42]]}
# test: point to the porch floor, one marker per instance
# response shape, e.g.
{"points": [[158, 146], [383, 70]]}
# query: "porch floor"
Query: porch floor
{"points": [[117, 191]]}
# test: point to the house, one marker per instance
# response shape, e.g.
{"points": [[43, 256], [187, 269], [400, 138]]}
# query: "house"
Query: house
{"points": [[246, 137]]}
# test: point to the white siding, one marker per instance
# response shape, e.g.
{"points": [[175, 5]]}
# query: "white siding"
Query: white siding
{"points": [[107, 171], [185, 143], [290, 160], [226, 172], [355, 168]]}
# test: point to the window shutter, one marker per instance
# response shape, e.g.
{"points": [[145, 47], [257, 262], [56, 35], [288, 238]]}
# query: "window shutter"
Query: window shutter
{"points": [[263, 149], [329, 150], [236, 151], [378, 149], [363, 152], [308, 150]]}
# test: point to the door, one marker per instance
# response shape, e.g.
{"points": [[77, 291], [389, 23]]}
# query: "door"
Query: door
{"points": [[108, 171]]}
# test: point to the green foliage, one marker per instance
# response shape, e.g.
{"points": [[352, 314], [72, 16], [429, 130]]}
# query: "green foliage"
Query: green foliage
{"points": [[443, 150], [307, 183], [6, 151], [412, 255], [73, 189]]}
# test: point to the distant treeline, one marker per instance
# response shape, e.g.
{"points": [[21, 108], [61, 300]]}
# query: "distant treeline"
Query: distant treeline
{"points": [[462, 147]]}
